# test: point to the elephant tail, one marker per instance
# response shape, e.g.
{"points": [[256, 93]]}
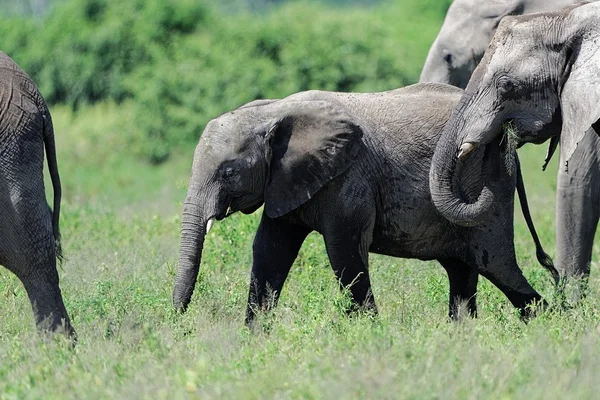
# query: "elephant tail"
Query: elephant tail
{"points": [[542, 256], [50, 147]]}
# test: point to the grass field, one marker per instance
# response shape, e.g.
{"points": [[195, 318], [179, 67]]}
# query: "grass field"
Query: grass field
{"points": [[120, 226]]}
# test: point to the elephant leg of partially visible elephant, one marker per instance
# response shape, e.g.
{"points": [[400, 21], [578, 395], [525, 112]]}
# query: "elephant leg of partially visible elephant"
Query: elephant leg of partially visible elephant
{"points": [[463, 287], [46, 298], [27, 239], [275, 248], [577, 213], [30, 253]]}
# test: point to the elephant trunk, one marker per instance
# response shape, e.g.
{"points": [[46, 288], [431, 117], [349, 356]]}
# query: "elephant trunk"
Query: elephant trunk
{"points": [[193, 231], [451, 179]]}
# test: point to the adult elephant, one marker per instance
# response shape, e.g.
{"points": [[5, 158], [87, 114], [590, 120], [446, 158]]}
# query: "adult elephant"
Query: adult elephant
{"points": [[353, 167], [541, 73], [466, 32], [456, 51], [29, 234]]}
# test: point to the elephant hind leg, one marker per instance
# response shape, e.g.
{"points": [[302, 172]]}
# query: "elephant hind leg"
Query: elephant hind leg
{"points": [[509, 278], [348, 251], [29, 251], [463, 288], [35, 266], [47, 302]]}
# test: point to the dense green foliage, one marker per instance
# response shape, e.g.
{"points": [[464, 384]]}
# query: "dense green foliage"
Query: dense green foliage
{"points": [[183, 62]]}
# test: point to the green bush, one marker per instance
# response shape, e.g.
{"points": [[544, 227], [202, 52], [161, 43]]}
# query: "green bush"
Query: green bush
{"points": [[294, 48], [183, 63], [84, 49]]}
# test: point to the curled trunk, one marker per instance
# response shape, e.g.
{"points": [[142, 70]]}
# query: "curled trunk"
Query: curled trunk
{"points": [[458, 188], [193, 231]]}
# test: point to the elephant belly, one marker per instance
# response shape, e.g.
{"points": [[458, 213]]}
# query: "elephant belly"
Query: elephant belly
{"points": [[414, 235]]}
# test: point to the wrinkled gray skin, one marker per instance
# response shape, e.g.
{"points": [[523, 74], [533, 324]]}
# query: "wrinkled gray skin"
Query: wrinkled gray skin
{"points": [[542, 72], [29, 234], [458, 48], [353, 167]]}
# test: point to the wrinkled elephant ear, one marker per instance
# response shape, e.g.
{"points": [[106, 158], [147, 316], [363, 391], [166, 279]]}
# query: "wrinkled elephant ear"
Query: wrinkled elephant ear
{"points": [[502, 9], [312, 143], [580, 96]]}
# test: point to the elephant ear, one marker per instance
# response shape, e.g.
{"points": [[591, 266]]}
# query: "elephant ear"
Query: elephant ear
{"points": [[580, 95], [312, 143], [502, 9]]}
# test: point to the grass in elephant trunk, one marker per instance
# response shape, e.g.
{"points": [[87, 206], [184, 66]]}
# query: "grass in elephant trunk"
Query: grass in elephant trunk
{"points": [[510, 138]]}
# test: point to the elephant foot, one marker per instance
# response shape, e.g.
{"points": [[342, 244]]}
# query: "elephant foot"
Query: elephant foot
{"points": [[572, 291], [533, 309], [366, 307], [54, 327]]}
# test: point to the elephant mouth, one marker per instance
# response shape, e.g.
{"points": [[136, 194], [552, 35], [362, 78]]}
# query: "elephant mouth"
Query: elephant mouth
{"points": [[251, 209], [226, 212], [510, 139], [235, 204]]}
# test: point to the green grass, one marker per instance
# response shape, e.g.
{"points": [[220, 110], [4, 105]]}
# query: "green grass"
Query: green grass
{"points": [[120, 226]]}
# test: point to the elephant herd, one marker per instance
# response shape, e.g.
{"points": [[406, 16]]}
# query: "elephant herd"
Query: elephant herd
{"points": [[428, 171]]}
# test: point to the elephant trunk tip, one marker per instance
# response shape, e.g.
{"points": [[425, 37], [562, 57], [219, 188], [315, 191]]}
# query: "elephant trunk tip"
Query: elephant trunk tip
{"points": [[182, 295], [180, 305]]}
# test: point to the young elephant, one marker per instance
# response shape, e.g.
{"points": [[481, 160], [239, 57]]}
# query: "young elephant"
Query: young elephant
{"points": [[353, 167], [29, 233]]}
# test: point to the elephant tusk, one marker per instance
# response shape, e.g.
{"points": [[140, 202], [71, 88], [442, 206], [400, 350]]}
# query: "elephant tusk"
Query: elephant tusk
{"points": [[209, 224], [465, 149]]}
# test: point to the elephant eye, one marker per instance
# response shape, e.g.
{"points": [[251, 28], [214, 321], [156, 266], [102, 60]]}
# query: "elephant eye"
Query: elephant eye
{"points": [[505, 85], [227, 173], [447, 57]]}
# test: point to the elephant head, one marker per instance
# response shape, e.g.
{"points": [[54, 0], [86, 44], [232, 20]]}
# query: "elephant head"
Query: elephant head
{"points": [[459, 46], [541, 73], [278, 153], [467, 29]]}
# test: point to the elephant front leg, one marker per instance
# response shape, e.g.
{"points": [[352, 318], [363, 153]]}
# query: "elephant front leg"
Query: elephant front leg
{"points": [[275, 248], [577, 214], [349, 257], [463, 288]]}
